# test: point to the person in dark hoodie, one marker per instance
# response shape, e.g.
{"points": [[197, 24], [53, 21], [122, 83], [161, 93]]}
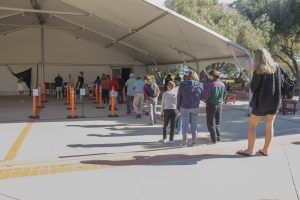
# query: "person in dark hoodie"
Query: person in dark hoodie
{"points": [[188, 101], [214, 95], [114, 83], [266, 99]]}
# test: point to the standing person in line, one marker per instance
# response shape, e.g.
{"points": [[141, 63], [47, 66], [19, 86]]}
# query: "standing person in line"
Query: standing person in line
{"points": [[188, 101], [169, 110], [178, 122], [177, 78], [70, 81], [138, 99], [266, 99], [79, 85], [214, 95], [97, 81], [21, 88], [120, 92], [114, 83], [130, 92], [58, 86], [105, 88], [151, 93], [103, 77], [167, 79]]}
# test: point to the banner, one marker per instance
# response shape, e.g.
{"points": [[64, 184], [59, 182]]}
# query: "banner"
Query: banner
{"points": [[25, 75]]}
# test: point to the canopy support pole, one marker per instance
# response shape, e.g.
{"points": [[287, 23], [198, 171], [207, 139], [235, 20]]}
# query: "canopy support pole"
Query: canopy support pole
{"points": [[156, 71], [43, 55], [243, 73], [23, 10]]}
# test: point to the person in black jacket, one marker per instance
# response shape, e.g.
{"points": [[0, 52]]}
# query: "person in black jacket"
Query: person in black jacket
{"points": [[266, 99]]}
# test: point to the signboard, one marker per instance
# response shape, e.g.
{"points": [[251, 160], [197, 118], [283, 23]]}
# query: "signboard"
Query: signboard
{"points": [[114, 94], [82, 91], [35, 92]]}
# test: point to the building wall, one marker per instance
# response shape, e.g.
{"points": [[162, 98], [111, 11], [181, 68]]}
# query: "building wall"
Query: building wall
{"points": [[8, 82]]}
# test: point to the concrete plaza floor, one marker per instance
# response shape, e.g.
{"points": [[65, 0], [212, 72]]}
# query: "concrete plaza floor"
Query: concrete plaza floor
{"points": [[120, 158]]}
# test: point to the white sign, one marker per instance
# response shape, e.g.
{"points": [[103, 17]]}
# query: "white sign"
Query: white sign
{"points": [[82, 91], [35, 92], [114, 94]]}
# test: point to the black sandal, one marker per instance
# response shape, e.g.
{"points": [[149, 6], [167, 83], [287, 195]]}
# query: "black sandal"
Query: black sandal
{"points": [[261, 153], [243, 153]]}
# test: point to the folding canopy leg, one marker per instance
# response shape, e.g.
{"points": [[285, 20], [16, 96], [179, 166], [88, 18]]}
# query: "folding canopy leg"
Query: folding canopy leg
{"points": [[156, 72], [243, 73]]}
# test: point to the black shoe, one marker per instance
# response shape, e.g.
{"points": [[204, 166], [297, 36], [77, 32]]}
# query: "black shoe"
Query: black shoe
{"points": [[116, 108], [138, 116], [109, 108]]}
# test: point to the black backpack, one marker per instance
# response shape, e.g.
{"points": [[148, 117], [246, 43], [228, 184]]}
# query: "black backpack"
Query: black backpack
{"points": [[152, 87], [287, 85]]}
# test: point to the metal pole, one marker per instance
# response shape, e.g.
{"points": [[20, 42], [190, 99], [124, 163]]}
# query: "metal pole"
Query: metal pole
{"points": [[244, 75], [43, 54]]}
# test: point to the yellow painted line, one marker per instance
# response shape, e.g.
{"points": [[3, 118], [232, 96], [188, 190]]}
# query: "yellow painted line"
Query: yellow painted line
{"points": [[17, 145], [45, 170]]}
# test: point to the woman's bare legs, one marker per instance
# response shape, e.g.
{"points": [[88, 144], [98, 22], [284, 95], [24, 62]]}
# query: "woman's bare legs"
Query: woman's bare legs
{"points": [[269, 122], [253, 122]]}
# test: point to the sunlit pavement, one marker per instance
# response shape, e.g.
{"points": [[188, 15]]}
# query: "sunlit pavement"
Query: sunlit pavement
{"points": [[120, 158]]}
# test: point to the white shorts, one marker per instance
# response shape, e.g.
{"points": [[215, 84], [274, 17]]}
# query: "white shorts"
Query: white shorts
{"points": [[58, 89]]}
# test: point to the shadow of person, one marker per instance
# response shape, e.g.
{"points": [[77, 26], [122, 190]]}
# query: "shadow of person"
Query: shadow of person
{"points": [[297, 143], [173, 159], [98, 126]]}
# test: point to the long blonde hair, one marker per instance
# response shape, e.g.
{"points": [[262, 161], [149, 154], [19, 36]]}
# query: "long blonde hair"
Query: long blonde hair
{"points": [[193, 76], [263, 62]]}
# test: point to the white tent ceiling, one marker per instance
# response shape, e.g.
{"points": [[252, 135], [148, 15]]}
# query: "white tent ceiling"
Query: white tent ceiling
{"points": [[106, 32]]}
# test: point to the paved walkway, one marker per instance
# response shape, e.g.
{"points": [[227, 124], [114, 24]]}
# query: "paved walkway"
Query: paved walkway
{"points": [[101, 158]]}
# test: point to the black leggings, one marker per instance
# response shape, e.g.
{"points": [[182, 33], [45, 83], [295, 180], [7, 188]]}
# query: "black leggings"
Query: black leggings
{"points": [[169, 116]]}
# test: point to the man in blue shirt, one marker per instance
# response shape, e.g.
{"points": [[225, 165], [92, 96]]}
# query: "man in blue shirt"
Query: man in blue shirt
{"points": [[138, 97], [130, 92]]}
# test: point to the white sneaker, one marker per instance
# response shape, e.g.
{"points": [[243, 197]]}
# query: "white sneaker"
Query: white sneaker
{"points": [[178, 133], [171, 142], [163, 141]]}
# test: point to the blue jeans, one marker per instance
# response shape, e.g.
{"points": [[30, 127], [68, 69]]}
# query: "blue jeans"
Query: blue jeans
{"points": [[129, 103], [120, 97], [189, 117], [179, 123]]}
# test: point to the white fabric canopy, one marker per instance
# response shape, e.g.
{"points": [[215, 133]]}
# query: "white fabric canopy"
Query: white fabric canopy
{"points": [[107, 32]]}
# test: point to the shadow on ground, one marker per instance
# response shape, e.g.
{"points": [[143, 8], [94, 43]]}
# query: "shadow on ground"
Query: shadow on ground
{"points": [[173, 159], [297, 143], [145, 145], [97, 126]]}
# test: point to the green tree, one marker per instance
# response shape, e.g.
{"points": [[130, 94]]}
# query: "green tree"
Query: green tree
{"points": [[226, 21], [285, 15]]}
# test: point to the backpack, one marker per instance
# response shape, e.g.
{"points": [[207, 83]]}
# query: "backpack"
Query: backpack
{"points": [[152, 87], [287, 85]]}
